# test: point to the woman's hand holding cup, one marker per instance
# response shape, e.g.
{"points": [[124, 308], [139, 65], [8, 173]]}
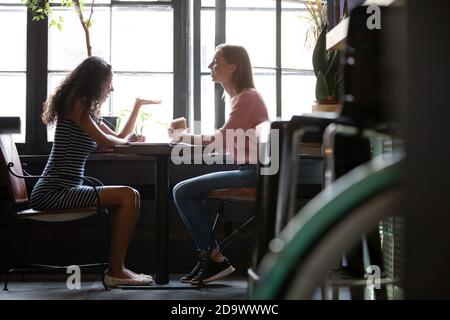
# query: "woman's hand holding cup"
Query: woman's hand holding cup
{"points": [[177, 129], [136, 138]]}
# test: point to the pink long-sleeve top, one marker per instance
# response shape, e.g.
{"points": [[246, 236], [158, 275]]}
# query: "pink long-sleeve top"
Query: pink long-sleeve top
{"points": [[247, 111]]}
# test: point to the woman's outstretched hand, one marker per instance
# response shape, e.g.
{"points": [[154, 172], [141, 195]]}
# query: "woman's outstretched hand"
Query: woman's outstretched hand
{"points": [[140, 102]]}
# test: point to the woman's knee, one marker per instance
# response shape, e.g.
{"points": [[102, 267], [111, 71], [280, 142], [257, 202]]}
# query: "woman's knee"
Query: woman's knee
{"points": [[132, 194], [119, 196], [128, 196]]}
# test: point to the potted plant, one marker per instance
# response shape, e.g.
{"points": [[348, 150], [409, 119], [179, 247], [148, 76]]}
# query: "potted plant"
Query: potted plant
{"points": [[325, 62], [328, 75]]}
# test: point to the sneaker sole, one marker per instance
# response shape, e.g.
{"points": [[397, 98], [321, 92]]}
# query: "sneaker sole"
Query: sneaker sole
{"points": [[217, 276], [186, 281]]}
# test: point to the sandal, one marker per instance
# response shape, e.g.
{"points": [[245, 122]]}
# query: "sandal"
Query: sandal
{"points": [[113, 282]]}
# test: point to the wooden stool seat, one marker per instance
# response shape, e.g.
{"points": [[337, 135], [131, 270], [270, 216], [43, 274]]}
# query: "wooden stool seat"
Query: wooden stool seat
{"points": [[235, 194]]}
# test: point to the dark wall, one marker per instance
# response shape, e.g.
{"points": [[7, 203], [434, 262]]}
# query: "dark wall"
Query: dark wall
{"points": [[427, 201]]}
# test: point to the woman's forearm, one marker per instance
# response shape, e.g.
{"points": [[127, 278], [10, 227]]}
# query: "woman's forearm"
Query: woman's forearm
{"points": [[110, 140], [129, 125]]}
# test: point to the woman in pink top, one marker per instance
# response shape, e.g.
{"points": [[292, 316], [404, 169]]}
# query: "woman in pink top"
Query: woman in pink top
{"points": [[231, 68]]}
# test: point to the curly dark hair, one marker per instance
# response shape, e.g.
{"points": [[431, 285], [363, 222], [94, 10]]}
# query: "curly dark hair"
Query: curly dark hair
{"points": [[87, 83]]}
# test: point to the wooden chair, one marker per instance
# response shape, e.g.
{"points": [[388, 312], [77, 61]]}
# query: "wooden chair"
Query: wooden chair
{"points": [[14, 176]]}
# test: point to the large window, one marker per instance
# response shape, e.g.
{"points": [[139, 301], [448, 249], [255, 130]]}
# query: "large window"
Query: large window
{"points": [[137, 39], [253, 24], [259, 38], [146, 42], [207, 42], [13, 23], [298, 80]]}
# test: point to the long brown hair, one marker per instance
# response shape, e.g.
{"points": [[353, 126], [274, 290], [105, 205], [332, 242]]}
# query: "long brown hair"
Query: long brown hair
{"points": [[242, 77], [86, 83]]}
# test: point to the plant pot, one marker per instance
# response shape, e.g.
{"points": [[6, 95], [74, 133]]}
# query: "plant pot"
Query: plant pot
{"points": [[325, 107]]}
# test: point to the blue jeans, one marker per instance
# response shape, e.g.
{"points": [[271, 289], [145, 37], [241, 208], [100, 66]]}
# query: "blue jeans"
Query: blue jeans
{"points": [[189, 195]]}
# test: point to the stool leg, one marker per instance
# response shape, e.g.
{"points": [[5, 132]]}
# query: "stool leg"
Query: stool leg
{"points": [[228, 228], [212, 238], [215, 227], [228, 239], [26, 248], [104, 235], [324, 292], [5, 288], [335, 293]]}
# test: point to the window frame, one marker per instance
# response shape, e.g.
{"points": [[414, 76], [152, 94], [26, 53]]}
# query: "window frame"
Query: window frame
{"points": [[27, 73], [220, 36], [37, 71], [187, 71]]}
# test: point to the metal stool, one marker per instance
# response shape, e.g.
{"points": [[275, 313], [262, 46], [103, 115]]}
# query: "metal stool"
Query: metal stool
{"points": [[239, 195]]}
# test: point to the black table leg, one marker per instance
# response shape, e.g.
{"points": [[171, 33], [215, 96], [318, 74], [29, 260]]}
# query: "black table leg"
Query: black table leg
{"points": [[162, 219]]}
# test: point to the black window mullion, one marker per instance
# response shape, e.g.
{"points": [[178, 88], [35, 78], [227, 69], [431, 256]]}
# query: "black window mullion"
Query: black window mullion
{"points": [[197, 65], [37, 51], [278, 58], [330, 13], [219, 38], [181, 59]]}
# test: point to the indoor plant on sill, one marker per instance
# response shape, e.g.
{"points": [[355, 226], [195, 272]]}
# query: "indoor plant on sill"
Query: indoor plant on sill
{"points": [[328, 75], [325, 62]]}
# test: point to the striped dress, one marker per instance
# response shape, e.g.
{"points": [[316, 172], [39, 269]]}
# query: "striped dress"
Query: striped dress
{"points": [[71, 147]]}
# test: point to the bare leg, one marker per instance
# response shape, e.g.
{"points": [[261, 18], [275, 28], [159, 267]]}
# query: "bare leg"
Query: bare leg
{"points": [[126, 202], [138, 205]]}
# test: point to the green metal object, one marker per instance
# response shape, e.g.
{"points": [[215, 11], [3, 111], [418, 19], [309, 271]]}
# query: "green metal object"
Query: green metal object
{"points": [[321, 213]]}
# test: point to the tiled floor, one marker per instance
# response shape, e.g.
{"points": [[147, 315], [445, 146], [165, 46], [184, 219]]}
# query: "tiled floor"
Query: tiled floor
{"points": [[55, 288], [229, 289]]}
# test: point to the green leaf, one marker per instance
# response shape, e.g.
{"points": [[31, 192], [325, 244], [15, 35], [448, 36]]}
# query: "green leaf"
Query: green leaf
{"points": [[321, 87], [319, 54], [59, 26]]}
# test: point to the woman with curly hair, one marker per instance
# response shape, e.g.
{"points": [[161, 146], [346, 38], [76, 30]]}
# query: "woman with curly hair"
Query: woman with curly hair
{"points": [[74, 109]]}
